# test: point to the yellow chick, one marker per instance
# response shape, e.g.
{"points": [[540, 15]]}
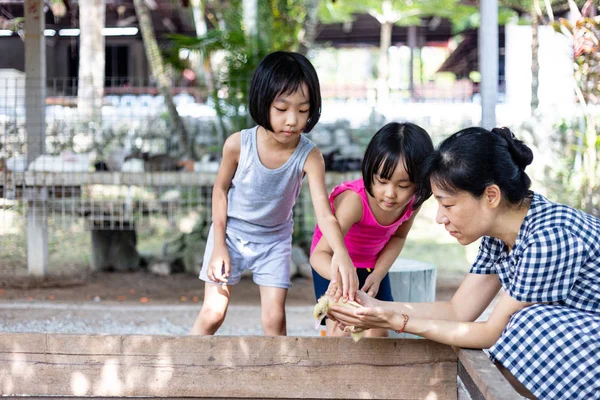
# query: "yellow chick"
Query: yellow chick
{"points": [[324, 305]]}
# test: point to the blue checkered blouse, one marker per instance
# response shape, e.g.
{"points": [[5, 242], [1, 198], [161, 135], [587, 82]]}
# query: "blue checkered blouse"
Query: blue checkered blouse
{"points": [[553, 348]]}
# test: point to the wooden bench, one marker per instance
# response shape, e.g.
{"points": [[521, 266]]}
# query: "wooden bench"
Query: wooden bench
{"points": [[35, 365]]}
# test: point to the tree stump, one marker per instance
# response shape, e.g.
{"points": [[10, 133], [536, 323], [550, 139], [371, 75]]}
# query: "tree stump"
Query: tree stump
{"points": [[412, 281]]}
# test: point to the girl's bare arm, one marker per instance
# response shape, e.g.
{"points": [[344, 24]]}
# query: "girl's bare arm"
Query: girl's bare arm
{"points": [[219, 267], [393, 247], [231, 156], [348, 211], [314, 168]]}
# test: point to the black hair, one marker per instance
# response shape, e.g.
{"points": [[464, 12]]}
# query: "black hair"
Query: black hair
{"points": [[475, 158], [283, 72], [393, 143]]}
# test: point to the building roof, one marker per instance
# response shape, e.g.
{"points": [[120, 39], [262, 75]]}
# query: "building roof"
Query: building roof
{"points": [[169, 16]]}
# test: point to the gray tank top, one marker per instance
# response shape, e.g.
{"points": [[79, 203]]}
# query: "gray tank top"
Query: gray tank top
{"points": [[260, 199]]}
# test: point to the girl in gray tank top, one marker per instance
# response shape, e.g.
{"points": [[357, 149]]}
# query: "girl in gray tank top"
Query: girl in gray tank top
{"points": [[257, 185]]}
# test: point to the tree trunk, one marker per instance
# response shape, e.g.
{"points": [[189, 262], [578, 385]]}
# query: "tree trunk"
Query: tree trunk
{"points": [[90, 89], [201, 29], [157, 67], [250, 21], [412, 44], [204, 68], [535, 65], [309, 26], [383, 66]]}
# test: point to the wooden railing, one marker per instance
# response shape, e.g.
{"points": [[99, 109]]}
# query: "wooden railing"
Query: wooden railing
{"points": [[120, 366]]}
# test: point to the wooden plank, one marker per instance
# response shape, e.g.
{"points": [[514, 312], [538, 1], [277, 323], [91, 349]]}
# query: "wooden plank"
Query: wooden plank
{"points": [[481, 378], [225, 367]]}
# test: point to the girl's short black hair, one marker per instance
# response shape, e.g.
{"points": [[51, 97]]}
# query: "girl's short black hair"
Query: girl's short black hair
{"points": [[474, 158], [393, 143], [283, 72]]}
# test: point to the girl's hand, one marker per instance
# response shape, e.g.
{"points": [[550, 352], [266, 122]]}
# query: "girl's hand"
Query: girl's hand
{"points": [[342, 264], [335, 289], [219, 266], [371, 286]]}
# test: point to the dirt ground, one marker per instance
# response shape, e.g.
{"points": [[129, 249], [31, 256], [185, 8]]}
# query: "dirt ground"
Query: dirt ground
{"points": [[144, 287]]}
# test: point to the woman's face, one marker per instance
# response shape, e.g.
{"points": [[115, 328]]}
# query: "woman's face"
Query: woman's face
{"points": [[464, 216]]}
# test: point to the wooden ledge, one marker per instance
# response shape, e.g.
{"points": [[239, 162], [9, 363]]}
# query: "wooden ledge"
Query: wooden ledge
{"points": [[481, 378], [38, 365]]}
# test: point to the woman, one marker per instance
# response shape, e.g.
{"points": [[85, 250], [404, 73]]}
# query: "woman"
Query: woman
{"points": [[544, 333]]}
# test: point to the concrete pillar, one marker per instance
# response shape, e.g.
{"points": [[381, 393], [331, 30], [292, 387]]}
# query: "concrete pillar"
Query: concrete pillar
{"points": [[35, 124], [488, 61]]}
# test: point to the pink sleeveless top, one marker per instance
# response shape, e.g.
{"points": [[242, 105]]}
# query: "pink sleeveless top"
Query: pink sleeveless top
{"points": [[366, 238]]}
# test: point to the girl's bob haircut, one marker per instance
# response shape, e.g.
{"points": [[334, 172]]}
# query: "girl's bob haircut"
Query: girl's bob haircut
{"points": [[279, 73], [394, 143]]}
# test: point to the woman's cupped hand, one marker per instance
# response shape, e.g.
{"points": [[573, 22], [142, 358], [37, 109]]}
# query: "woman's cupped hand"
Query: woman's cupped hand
{"points": [[371, 314]]}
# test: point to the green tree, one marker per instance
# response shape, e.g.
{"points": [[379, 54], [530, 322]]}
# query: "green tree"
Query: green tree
{"points": [[157, 66], [279, 23], [584, 30]]}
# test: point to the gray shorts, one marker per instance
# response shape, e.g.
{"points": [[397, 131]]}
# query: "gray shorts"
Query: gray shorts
{"points": [[268, 262]]}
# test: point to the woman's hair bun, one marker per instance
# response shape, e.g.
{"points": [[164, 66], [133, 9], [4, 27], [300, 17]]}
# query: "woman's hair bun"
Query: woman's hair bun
{"points": [[520, 153]]}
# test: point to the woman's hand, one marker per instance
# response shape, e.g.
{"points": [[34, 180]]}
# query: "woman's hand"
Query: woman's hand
{"points": [[371, 315]]}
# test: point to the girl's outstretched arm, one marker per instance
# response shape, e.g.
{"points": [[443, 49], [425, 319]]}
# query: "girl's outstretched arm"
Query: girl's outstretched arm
{"points": [[348, 211], [219, 268], [314, 167], [387, 256]]}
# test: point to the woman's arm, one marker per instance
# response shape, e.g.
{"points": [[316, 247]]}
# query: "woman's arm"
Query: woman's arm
{"points": [[474, 294], [220, 257], [476, 335], [479, 335], [314, 167]]}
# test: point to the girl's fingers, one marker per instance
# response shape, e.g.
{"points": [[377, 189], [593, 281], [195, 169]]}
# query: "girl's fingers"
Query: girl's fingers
{"points": [[345, 286], [337, 293], [334, 273]]}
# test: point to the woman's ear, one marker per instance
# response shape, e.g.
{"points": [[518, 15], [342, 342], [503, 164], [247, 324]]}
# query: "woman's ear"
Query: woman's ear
{"points": [[492, 196]]}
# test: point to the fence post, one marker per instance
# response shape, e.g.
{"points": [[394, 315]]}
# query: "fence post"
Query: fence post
{"points": [[35, 123]]}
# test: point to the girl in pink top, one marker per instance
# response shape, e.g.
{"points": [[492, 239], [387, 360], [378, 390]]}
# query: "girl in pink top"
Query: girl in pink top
{"points": [[375, 214]]}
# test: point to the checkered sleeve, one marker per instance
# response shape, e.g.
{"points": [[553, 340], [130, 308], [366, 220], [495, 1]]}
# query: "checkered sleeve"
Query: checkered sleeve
{"points": [[488, 255], [548, 266]]}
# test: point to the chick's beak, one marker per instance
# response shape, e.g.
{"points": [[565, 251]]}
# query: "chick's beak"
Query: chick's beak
{"points": [[317, 323]]}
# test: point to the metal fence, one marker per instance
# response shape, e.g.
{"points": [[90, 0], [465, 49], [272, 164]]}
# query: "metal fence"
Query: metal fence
{"points": [[122, 170]]}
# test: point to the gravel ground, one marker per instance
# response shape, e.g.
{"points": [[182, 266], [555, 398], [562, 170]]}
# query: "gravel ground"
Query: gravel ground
{"points": [[116, 318]]}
